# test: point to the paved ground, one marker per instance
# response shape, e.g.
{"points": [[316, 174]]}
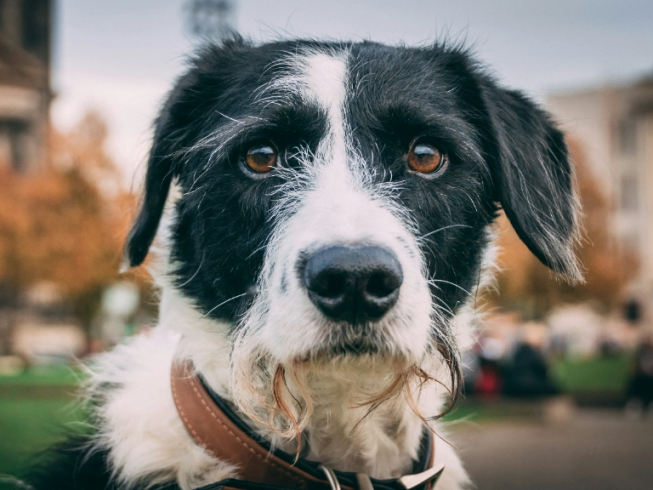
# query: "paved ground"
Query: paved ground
{"points": [[595, 450]]}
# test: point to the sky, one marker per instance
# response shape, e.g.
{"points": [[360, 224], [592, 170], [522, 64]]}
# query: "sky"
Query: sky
{"points": [[121, 57]]}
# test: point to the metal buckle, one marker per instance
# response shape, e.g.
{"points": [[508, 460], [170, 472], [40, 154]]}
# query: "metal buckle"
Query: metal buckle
{"points": [[408, 482], [412, 481], [364, 482], [331, 478]]}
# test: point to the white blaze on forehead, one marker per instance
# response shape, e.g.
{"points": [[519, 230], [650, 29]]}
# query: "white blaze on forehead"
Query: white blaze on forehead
{"points": [[324, 78], [323, 81]]}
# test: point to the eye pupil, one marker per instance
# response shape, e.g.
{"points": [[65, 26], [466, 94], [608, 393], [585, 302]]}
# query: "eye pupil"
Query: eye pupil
{"points": [[261, 159], [424, 158]]}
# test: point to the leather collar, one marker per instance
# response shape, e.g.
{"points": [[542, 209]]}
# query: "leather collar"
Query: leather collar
{"points": [[215, 427]]}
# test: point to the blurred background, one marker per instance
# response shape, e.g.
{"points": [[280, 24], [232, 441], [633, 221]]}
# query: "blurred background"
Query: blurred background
{"points": [[558, 387]]}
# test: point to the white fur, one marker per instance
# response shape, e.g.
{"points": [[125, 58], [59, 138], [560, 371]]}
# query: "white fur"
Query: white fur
{"points": [[138, 421], [332, 202]]}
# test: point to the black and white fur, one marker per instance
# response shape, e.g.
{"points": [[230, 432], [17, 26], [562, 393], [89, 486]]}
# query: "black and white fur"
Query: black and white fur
{"points": [[343, 116]]}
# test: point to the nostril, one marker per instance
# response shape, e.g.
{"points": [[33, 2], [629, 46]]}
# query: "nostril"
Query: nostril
{"points": [[328, 283], [382, 284]]}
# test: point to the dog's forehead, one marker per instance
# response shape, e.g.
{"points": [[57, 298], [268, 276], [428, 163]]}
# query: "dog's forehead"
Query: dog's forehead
{"points": [[323, 77], [330, 75]]}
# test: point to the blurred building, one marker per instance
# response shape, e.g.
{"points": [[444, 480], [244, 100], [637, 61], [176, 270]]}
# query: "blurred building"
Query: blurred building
{"points": [[25, 94], [211, 19], [614, 124]]}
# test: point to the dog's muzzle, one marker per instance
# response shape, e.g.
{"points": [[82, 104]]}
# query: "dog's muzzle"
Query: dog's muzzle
{"points": [[354, 284]]}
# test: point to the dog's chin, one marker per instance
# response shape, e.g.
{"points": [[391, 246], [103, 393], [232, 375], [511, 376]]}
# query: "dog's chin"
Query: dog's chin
{"points": [[361, 351]]}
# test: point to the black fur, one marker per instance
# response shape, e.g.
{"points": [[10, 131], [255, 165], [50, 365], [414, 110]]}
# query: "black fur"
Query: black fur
{"points": [[71, 465]]}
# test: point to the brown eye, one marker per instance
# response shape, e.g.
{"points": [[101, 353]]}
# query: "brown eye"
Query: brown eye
{"points": [[261, 159], [425, 158]]}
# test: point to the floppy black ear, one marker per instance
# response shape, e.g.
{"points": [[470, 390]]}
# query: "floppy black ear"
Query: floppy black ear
{"points": [[158, 177], [157, 183], [533, 178]]}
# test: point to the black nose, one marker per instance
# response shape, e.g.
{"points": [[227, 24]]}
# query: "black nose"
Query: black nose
{"points": [[353, 284]]}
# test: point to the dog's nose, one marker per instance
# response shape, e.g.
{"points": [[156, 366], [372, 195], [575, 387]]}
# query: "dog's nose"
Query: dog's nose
{"points": [[353, 284]]}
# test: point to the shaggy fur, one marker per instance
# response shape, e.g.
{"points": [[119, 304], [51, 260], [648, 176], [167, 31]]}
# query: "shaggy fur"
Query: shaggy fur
{"points": [[234, 244]]}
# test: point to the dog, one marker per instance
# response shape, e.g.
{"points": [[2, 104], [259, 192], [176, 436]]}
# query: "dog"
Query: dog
{"points": [[322, 219]]}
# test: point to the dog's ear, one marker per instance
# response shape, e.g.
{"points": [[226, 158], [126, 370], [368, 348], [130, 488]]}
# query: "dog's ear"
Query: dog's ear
{"points": [[533, 178], [158, 177], [157, 183]]}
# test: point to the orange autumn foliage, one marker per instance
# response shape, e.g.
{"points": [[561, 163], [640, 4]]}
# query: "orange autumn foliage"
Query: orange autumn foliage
{"points": [[66, 222]]}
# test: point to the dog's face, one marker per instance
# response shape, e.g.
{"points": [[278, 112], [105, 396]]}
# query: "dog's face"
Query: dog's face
{"points": [[336, 198]]}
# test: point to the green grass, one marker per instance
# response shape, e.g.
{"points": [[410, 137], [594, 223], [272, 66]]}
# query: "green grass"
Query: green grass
{"points": [[36, 408], [475, 410], [57, 375], [28, 426], [599, 375]]}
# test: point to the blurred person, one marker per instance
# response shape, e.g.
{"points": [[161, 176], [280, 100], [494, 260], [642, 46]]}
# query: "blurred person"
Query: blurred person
{"points": [[527, 373], [488, 383], [640, 386]]}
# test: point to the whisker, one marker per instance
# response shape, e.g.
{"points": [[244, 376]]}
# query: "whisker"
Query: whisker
{"points": [[443, 306], [223, 303], [196, 272], [442, 229], [430, 281]]}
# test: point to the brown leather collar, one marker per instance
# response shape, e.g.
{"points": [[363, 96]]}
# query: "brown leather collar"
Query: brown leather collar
{"points": [[207, 420]]}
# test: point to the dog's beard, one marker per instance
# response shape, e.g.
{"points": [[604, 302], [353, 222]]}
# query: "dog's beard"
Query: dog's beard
{"points": [[279, 396]]}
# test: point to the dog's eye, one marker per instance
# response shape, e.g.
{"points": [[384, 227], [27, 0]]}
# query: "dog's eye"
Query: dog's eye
{"points": [[425, 158], [261, 159]]}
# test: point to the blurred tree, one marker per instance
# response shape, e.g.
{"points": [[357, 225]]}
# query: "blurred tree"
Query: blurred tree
{"points": [[66, 223], [529, 287]]}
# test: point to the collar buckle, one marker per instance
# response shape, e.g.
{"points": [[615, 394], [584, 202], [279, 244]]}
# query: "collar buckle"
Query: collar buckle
{"points": [[331, 477], [431, 475]]}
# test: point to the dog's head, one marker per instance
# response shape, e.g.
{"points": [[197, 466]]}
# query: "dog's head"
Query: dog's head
{"points": [[336, 198]]}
